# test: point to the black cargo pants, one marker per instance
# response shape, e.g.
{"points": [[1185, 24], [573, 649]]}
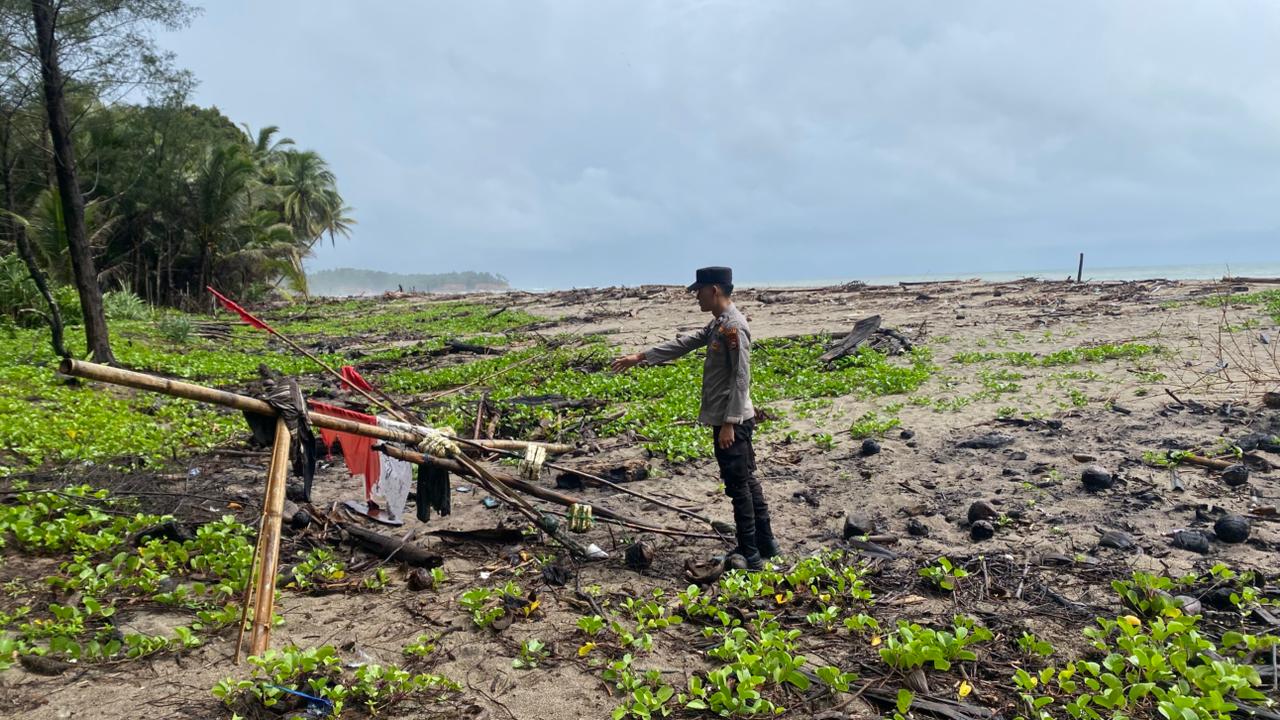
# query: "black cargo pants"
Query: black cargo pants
{"points": [[737, 470]]}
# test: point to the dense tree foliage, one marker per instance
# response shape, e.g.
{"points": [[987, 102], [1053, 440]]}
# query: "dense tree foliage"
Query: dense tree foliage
{"points": [[179, 197], [175, 196]]}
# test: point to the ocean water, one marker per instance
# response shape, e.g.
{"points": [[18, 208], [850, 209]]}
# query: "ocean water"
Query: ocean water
{"points": [[1212, 271]]}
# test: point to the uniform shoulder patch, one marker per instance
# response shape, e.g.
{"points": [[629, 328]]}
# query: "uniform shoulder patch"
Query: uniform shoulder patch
{"points": [[730, 337]]}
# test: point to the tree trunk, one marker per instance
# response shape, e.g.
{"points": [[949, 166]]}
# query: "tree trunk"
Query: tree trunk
{"points": [[206, 264], [29, 257], [82, 268]]}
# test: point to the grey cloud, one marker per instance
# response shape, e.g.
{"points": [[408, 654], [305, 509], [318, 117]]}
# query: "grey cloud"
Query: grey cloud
{"points": [[573, 143]]}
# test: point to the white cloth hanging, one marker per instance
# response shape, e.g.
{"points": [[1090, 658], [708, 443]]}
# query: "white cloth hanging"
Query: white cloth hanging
{"points": [[395, 479]]}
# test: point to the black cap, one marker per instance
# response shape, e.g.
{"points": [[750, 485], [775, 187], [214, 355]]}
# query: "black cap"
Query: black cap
{"points": [[712, 276]]}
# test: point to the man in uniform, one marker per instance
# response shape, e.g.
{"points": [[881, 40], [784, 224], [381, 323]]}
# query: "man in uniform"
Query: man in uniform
{"points": [[726, 405]]}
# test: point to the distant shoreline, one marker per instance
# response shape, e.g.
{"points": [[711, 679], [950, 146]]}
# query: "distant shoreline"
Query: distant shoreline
{"points": [[1210, 271], [1214, 271]]}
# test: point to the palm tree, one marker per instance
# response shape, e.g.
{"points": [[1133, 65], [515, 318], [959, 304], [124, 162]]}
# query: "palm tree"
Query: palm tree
{"points": [[337, 220], [266, 150], [222, 191], [270, 249], [47, 230], [263, 141], [307, 194]]}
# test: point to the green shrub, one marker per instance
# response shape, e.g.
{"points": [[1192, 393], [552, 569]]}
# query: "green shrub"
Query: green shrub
{"points": [[175, 328], [18, 293], [124, 305], [20, 300]]}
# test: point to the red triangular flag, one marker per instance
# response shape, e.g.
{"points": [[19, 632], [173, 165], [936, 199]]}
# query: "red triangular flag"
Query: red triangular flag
{"points": [[244, 314], [352, 378]]}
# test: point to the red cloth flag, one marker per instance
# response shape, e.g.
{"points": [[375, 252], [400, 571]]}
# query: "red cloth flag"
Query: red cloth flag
{"points": [[358, 450], [244, 314], [352, 378]]}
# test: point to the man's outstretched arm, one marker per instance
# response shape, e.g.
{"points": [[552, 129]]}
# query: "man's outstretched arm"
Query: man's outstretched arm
{"points": [[669, 350]]}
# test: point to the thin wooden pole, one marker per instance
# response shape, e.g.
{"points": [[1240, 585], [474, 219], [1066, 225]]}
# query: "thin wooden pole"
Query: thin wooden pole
{"points": [[398, 411], [248, 586], [1080, 268], [273, 504], [510, 445], [615, 486], [200, 393], [343, 382]]}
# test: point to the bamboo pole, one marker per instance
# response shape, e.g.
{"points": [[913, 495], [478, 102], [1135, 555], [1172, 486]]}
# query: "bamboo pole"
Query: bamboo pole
{"points": [[551, 448], [265, 596], [164, 386], [244, 403]]}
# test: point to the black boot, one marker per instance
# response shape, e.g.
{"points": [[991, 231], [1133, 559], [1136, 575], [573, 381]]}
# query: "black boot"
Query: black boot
{"points": [[754, 560], [738, 560], [768, 548]]}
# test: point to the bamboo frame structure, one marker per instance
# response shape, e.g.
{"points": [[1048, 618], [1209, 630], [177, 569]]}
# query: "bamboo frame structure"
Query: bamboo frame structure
{"points": [[266, 556], [200, 393], [267, 550]]}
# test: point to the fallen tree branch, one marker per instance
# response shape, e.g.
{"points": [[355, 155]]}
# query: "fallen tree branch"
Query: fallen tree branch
{"points": [[388, 548]]}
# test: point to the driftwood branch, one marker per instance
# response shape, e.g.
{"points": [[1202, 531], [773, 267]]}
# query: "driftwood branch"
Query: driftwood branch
{"points": [[457, 346], [1211, 463], [390, 548], [862, 330]]}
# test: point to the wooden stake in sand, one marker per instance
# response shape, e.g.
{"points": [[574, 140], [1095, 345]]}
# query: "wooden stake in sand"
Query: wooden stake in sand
{"points": [[269, 540]]}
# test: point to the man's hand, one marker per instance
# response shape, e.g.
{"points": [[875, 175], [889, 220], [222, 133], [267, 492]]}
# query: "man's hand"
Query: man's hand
{"points": [[626, 361], [725, 441]]}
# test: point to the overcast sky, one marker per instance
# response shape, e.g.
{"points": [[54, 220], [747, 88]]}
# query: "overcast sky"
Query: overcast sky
{"points": [[591, 142]]}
